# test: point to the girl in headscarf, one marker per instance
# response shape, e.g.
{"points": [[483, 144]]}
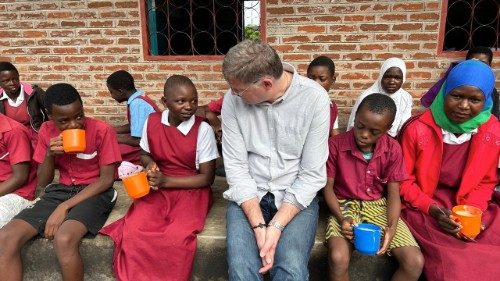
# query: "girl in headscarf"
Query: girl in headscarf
{"points": [[451, 155], [390, 80]]}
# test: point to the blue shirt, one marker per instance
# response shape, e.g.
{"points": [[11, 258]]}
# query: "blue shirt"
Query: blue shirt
{"points": [[139, 112]]}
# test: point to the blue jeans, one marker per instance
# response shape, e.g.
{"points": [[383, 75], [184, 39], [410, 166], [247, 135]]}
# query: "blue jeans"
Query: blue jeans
{"points": [[293, 250]]}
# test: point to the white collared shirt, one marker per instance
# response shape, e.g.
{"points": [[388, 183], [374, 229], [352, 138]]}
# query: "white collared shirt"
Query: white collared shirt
{"points": [[206, 146], [14, 103], [451, 138]]}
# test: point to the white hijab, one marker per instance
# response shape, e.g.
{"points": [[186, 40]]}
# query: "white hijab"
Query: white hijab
{"points": [[402, 98]]}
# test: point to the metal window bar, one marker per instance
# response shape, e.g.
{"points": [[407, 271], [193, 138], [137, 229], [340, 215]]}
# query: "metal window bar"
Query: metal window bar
{"points": [[199, 27], [472, 23]]}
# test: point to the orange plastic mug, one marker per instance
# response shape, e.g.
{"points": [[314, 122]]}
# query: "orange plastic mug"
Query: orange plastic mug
{"points": [[136, 185], [470, 219], [74, 140]]}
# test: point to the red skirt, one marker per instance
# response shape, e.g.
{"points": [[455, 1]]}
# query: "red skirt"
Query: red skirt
{"points": [[448, 258], [156, 239]]}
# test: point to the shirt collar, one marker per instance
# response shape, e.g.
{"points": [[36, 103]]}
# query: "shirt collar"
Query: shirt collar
{"points": [[350, 144], [451, 138], [183, 127], [134, 96], [288, 67], [12, 102]]}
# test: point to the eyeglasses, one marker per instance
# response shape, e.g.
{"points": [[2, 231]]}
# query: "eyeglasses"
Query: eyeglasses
{"points": [[240, 94]]}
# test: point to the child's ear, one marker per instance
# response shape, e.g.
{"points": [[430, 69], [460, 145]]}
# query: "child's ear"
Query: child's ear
{"points": [[163, 101]]}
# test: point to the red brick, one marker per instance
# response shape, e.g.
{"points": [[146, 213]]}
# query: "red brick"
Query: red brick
{"points": [[408, 7], [389, 37], [418, 75], [79, 77], [198, 67], [34, 34], [367, 65], [312, 28], [73, 41], [100, 4], [48, 42], [311, 10], [112, 14], [327, 38], [384, 56], [372, 47], [394, 17], [45, 6], [431, 46], [280, 11], [13, 51], [101, 41], [171, 67], [85, 15], [53, 77], [101, 23], [422, 37], [39, 68], [354, 76], [32, 16], [407, 26], [342, 47], [356, 37], [117, 67], [432, 5], [22, 42], [424, 16], [117, 50], [8, 16], [76, 59], [91, 50], [50, 59], [128, 41], [147, 67], [72, 24], [374, 8], [296, 39], [341, 9], [25, 59], [357, 56], [46, 24], [374, 27], [61, 33], [309, 47], [431, 27], [359, 18], [59, 15], [344, 28], [65, 50], [38, 51], [89, 32], [65, 67], [329, 18], [129, 59], [406, 46], [284, 48], [127, 4], [128, 23]]}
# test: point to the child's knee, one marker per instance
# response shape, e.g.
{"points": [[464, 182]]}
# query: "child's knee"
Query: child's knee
{"points": [[412, 260], [64, 241], [338, 259], [9, 242]]}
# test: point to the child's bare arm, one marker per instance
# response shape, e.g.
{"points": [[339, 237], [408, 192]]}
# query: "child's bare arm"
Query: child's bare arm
{"points": [[204, 178], [45, 171], [122, 129], [105, 181], [18, 178], [393, 212], [333, 204]]}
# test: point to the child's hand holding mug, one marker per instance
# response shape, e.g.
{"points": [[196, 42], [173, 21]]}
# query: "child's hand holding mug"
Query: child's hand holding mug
{"points": [[346, 227], [56, 146], [155, 177]]}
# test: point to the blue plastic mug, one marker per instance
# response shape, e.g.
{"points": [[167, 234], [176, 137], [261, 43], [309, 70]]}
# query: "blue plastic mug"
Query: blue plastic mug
{"points": [[367, 238]]}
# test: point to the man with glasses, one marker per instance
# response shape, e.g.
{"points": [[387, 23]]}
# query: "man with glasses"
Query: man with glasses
{"points": [[275, 127]]}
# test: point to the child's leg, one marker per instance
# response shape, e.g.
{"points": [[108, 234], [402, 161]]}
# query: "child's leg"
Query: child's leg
{"points": [[339, 255], [12, 238], [411, 263], [66, 244]]}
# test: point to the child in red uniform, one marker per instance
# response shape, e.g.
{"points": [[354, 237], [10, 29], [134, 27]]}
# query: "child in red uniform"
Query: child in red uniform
{"points": [[21, 101], [322, 70], [17, 174], [139, 106], [156, 240], [82, 200], [364, 169]]}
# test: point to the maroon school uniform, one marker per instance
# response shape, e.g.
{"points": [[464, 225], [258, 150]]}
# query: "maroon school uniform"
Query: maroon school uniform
{"points": [[15, 148], [130, 153], [82, 168], [360, 179], [156, 240], [441, 249]]}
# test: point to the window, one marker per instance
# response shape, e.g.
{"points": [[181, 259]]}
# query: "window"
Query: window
{"points": [[186, 28], [470, 23]]}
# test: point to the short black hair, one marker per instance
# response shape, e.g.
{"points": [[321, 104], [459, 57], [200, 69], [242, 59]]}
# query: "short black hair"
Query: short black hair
{"points": [[175, 81], [7, 66], [379, 104], [323, 61], [480, 50], [60, 94], [121, 79]]}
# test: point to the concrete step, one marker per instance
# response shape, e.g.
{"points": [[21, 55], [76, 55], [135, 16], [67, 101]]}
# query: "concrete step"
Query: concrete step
{"points": [[40, 262]]}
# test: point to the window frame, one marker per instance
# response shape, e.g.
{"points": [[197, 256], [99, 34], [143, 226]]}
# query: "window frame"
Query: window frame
{"points": [[442, 31], [145, 41]]}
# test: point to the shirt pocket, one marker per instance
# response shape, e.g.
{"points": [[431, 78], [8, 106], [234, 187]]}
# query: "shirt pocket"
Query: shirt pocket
{"points": [[86, 162]]}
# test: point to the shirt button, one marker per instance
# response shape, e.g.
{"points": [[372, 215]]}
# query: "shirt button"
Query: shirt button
{"points": [[368, 190], [368, 172]]}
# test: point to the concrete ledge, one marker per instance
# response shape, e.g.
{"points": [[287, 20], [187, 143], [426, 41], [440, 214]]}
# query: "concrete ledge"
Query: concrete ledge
{"points": [[40, 262]]}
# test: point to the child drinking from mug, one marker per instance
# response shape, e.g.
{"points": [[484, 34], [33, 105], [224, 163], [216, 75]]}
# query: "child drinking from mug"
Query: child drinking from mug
{"points": [[156, 240], [82, 200], [364, 166]]}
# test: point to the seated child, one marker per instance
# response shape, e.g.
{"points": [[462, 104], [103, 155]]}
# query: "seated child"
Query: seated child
{"points": [[364, 169], [17, 173], [21, 101], [322, 70], [156, 240], [82, 200], [390, 81], [139, 106], [483, 54]]}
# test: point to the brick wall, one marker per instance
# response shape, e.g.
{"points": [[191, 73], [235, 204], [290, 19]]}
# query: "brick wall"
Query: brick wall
{"points": [[82, 42]]}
